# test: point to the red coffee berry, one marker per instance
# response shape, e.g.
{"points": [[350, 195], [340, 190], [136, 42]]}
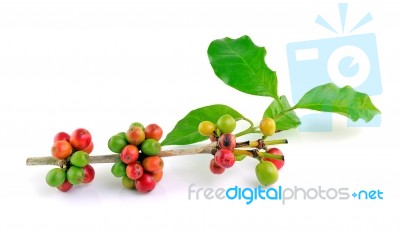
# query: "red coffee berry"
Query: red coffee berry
{"points": [[224, 158], [65, 187], [89, 173], [145, 183], [89, 149], [153, 164], [227, 141], [61, 136], [80, 139], [135, 135], [129, 154], [214, 168], [61, 149], [134, 171], [153, 131], [278, 163], [158, 175]]}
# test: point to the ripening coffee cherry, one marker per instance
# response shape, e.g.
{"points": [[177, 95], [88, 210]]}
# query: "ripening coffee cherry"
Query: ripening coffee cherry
{"points": [[145, 183], [226, 123], [206, 128], [129, 154], [61, 150], [227, 141], [128, 183], [80, 139], [153, 131], [89, 149], [214, 168], [267, 173], [153, 164], [134, 171], [65, 187], [267, 126], [278, 163], [138, 124], [135, 135], [158, 176], [61, 136], [89, 173], [224, 158]]}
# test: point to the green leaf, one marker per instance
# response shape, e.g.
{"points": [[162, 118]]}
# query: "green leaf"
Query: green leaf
{"points": [[284, 121], [345, 101], [240, 64], [239, 157], [185, 131]]}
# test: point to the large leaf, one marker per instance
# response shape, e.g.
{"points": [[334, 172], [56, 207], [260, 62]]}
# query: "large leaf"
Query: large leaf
{"points": [[240, 64], [284, 121], [185, 131], [345, 101]]}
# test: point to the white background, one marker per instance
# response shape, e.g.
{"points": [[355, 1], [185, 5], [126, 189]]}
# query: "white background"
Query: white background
{"points": [[104, 64]]}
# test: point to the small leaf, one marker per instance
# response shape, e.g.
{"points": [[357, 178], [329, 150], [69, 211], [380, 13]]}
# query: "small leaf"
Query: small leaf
{"points": [[345, 101], [239, 157], [286, 121], [185, 131], [240, 64]]}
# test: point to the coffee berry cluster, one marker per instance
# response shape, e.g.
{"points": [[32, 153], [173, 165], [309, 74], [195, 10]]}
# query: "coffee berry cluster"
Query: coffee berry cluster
{"points": [[267, 168], [138, 165], [221, 132], [227, 150], [74, 151]]}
